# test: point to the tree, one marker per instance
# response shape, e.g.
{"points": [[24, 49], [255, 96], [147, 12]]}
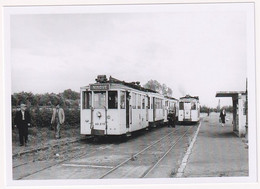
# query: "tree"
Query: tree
{"points": [[69, 94], [22, 97], [153, 85], [156, 86]]}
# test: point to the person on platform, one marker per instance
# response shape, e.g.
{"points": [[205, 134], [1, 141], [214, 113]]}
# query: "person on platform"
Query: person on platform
{"points": [[58, 118], [22, 120], [222, 117]]}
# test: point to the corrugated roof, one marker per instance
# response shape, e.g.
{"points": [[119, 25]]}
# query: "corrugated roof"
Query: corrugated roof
{"points": [[229, 93]]}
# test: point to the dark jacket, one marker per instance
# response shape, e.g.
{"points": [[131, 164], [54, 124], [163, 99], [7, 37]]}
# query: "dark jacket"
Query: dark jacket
{"points": [[222, 116], [18, 118], [171, 116]]}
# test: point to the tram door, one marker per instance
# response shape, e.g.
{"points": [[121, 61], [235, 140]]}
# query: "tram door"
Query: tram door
{"points": [[187, 110], [147, 101], [154, 109], [128, 114]]}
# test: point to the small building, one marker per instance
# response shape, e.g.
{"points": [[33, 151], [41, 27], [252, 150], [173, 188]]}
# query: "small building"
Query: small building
{"points": [[239, 110]]}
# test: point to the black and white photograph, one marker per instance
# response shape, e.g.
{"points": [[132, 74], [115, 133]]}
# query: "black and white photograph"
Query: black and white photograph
{"points": [[130, 94]]}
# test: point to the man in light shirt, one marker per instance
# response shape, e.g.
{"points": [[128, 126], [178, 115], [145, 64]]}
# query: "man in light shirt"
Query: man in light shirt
{"points": [[58, 118], [22, 121]]}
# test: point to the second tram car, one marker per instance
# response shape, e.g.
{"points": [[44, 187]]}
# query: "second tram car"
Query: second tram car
{"points": [[189, 109]]}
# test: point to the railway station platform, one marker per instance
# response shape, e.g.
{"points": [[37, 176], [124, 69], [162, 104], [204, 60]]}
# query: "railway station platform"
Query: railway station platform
{"points": [[217, 152]]}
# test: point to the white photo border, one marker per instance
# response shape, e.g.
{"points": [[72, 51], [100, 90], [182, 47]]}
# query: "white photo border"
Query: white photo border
{"points": [[252, 71]]}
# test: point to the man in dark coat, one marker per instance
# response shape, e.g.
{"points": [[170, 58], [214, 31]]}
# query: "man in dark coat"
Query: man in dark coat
{"points": [[223, 117], [171, 118], [22, 121]]}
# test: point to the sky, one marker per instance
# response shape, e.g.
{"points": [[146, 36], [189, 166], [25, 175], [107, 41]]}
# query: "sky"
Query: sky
{"points": [[192, 52]]}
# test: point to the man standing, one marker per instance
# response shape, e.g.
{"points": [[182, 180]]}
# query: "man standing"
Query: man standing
{"points": [[58, 117], [22, 121], [223, 117], [171, 118]]}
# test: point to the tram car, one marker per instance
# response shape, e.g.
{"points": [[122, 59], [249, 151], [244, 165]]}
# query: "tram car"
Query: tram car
{"points": [[156, 113], [189, 109], [114, 107]]}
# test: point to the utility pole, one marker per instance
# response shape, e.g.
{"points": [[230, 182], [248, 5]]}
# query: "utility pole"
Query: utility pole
{"points": [[246, 113], [218, 108]]}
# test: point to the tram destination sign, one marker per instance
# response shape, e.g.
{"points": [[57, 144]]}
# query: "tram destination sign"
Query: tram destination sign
{"points": [[98, 87]]}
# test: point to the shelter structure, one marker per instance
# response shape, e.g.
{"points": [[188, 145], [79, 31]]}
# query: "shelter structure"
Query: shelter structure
{"points": [[239, 110]]}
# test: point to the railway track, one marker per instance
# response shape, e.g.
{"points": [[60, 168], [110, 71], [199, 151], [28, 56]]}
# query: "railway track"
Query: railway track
{"points": [[133, 159], [32, 151], [58, 162], [147, 154]]}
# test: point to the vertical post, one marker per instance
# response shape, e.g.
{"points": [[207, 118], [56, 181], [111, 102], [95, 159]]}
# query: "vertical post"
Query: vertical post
{"points": [[246, 113], [234, 113], [218, 108]]}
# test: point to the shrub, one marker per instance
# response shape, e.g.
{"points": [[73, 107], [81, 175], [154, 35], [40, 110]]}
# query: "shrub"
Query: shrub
{"points": [[72, 117], [41, 117]]}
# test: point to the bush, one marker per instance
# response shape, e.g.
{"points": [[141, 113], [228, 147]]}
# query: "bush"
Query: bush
{"points": [[72, 117], [41, 116]]}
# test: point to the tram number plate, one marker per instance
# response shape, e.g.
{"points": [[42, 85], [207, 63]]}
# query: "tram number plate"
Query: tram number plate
{"points": [[100, 124]]}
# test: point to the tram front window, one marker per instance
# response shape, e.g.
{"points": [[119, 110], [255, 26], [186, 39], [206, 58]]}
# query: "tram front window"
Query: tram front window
{"points": [[99, 100], [87, 99], [187, 106], [181, 106], [193, 106], [112, 99]]}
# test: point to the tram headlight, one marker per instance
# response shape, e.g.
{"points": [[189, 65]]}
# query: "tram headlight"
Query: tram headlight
{"points": [[99, 114]]}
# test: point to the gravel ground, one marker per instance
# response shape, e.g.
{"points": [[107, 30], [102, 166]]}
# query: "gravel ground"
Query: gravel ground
{"points": [[42, 142], [109, 151]]}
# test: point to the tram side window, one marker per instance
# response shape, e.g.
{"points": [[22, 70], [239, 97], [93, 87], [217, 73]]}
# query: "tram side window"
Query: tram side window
{"points": [[122, 100], [155, 103], [148, 106], [87, 99], [134, 101], [112, 100], [181, 106], [143, 102], [171, 106], [158, 103], [139, 102], [174, 107]]}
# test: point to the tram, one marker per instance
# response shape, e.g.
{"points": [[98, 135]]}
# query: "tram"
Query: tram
{"points": [[114, 107], [189, 109]]}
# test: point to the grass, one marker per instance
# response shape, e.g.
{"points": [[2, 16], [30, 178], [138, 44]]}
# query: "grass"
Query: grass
{"points": [[42, 136]]}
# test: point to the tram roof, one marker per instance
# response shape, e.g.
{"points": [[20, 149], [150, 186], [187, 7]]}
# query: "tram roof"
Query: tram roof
{"points": [[188, 96], [171, 98], [134, 85]]}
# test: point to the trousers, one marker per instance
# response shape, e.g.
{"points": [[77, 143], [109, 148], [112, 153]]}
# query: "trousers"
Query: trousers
{"points": [[23, 133], [57, 129]]}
